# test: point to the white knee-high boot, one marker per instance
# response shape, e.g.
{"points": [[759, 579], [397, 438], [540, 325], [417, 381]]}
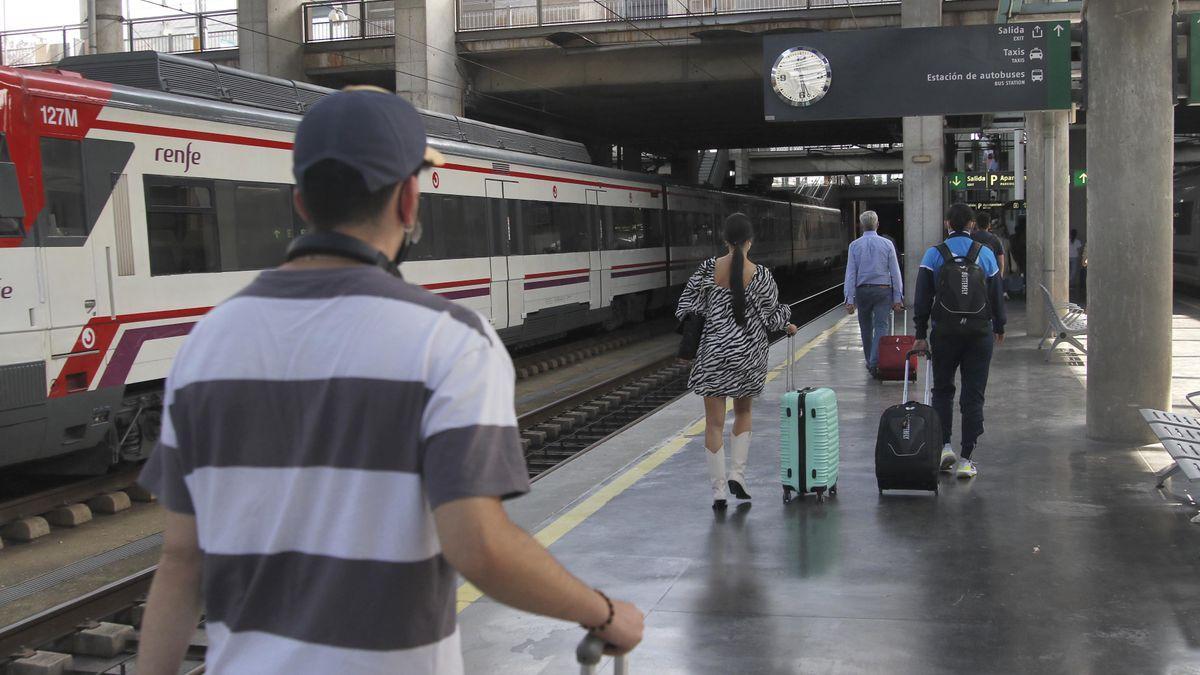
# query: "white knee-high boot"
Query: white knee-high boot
{"points": [[739, 452], [716, 476]]}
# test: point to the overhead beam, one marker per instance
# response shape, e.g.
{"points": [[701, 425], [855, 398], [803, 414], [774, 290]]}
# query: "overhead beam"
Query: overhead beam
{"points": [[797, 164]]}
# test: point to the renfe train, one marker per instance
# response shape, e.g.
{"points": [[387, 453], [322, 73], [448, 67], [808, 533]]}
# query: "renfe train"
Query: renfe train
{"points": [[126, 213]]}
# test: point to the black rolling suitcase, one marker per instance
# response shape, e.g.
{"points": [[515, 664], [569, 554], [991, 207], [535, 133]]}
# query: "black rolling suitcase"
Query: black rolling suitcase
{"points": [[909, 446]]}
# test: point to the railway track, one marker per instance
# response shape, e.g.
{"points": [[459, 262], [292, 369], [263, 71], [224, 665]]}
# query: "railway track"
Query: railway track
{"points": [[553, 435]]}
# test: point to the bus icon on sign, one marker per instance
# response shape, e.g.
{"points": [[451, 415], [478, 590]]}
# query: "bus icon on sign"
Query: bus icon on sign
{"points": [[1037, 75], [1036, 54]]}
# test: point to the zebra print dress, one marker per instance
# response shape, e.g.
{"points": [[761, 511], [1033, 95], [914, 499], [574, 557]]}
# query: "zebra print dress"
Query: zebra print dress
{"points": [[732, 359]]}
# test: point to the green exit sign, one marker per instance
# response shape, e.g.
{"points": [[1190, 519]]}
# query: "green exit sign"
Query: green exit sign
{"points": [[1079, 177], [957, 180]]}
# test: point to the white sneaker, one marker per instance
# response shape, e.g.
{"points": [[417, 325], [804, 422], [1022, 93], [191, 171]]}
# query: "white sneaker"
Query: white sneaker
{"points": [[949, 459], [967, 469]]}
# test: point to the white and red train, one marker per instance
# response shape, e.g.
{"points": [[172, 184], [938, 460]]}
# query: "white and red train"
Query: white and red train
{"points": [[127, 213]]}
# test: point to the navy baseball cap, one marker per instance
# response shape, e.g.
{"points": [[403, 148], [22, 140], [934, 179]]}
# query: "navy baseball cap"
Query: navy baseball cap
{"points": [[369, 129]]}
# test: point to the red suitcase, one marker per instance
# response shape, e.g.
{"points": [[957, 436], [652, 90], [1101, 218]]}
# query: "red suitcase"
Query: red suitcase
{"points": [[892, 349]]}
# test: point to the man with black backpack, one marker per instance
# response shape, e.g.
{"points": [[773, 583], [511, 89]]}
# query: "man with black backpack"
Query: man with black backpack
{"points": [[959, 284]]}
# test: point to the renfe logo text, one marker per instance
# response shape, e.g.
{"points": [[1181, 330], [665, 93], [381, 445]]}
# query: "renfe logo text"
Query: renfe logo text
{"points": [[187, 157]]}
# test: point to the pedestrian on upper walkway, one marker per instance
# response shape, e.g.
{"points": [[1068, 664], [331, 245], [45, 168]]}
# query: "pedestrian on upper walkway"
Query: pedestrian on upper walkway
{"points": [[740, 303], [959, 286], [336, 443], [873, 286]]}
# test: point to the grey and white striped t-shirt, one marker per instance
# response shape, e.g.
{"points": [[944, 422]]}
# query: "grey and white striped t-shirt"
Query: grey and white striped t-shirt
{"points": [[313, 423]]}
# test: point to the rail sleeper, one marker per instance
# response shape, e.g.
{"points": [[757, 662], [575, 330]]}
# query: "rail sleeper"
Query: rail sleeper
{"points": [[42, 663]]}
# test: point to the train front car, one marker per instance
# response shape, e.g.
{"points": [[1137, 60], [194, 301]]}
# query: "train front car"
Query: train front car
{"points": [[57, 318]]}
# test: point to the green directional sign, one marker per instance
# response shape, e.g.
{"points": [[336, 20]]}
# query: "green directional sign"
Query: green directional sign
{"points": [[1193, 59], [957, 180], [1079, 178], [899, 72]]}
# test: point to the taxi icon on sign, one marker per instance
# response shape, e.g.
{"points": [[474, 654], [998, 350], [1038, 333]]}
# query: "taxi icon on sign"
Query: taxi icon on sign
{"points": [[1036, 54]]}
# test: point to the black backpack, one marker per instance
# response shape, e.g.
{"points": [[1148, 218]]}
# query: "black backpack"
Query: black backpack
{"points": [[961, 306]]}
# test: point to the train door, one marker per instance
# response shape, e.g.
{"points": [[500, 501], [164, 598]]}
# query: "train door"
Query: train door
{"points": [[596, 227], [62, 230], [22, 295], [498, 224]]}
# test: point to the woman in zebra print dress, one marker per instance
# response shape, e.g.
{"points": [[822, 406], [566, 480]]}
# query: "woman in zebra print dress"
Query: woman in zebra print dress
{"points": [[740, 303]]}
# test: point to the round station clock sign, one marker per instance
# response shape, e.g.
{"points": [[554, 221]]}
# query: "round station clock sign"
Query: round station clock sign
{"points": [[801, 76]]}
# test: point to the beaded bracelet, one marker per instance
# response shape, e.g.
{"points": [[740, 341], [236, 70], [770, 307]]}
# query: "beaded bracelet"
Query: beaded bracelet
{"points": [[611, 614]]}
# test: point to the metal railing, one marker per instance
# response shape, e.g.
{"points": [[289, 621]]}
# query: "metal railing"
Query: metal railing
{"points": [[349, 20], [490, 14], [41, 46], [179, 33], [208, 31]]}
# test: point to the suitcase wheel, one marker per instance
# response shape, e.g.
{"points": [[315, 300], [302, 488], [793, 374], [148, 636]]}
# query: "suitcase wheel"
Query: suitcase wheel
{"points": [[787, 495], [833, 490]]}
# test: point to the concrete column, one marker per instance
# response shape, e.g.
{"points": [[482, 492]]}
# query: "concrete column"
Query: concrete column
{"points": [[1058, 205], [427, 56], [741, 166], [1048, 214], [109, 25], [1035, 231], [1130, 157], [259, 52], [685, 165], [924, 164]]}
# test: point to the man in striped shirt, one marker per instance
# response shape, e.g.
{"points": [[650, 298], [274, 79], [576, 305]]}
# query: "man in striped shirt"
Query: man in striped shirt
{"points": [[336, 444]]}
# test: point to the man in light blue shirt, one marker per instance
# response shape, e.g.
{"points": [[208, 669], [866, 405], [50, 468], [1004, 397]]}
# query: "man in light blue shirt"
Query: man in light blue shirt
{"points": [[873, 285]]}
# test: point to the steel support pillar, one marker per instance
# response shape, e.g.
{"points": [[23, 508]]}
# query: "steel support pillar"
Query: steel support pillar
{"points": [[1129, 157], [924, 159]]}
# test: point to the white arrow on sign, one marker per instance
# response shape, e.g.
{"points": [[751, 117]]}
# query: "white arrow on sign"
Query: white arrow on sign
{"points": [[1058, 30]]}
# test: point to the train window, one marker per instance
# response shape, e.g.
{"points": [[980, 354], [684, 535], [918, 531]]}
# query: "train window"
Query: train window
{"points": [[654, 227], [12, 210], [624, 230], [461, 226], [177, 196], [534, 230], [541, 228], [427, 248], [62, 175], [264, 225], [1183, 219], [572, 223], [182, 226]]}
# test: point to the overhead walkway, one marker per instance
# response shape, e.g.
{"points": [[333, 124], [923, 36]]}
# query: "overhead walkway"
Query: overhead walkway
{"points": [[1061, 557]]}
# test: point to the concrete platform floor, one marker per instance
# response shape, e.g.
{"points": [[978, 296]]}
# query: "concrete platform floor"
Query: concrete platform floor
{"points": [[1060, 558]]}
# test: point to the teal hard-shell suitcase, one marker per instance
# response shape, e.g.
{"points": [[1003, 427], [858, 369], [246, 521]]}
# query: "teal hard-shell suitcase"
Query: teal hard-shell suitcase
{"points": [[808, 440]]}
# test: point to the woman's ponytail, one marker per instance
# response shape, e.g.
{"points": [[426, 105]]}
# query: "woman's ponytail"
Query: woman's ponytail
{"points": [[737, 232]]}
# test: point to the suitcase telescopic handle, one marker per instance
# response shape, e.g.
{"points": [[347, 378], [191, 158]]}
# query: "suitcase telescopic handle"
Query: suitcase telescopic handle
{"points": [[928, 373], [589, 651]]}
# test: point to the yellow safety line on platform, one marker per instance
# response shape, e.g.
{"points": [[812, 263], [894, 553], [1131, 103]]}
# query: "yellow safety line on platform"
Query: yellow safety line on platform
{"points": [[467, 593]]}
